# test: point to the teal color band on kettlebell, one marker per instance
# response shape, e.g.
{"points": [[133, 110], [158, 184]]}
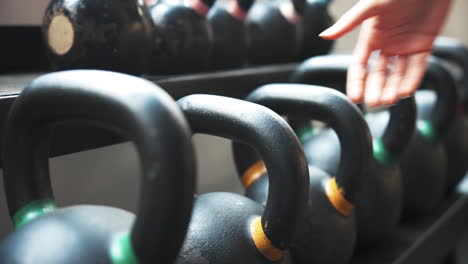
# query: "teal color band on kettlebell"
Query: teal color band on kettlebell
{"points": [[426, 129], [381, 154], [305, 132], [323, 2], [33, 210], [121, 251]]}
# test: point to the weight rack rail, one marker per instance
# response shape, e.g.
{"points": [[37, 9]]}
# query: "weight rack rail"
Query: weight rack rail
{"points": [[427, 240]]}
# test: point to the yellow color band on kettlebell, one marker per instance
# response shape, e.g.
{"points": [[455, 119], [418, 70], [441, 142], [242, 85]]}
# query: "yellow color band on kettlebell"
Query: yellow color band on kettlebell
{"points": [[336, 196], [262, 242], [253, 173]]}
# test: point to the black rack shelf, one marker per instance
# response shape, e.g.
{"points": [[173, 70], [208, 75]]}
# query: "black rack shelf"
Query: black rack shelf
{"points": [[427, 240]]}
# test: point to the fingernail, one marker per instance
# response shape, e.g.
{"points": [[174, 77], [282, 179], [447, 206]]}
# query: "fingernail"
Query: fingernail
{"points": [[326, 33]]}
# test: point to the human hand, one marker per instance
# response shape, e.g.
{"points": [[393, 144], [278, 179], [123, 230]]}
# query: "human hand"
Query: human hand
{"points": [[403, 31]]}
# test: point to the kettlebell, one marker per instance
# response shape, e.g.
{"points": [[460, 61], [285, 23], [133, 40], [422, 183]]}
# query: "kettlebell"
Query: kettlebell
{"points": [[424, 164], [380, 201], [328, 232], [229, 34], [183, 37], [453, 51], [456, 140], [316, 19], [133, 107], [274, 31], [231, 228], [98, 34], [424, 156]]}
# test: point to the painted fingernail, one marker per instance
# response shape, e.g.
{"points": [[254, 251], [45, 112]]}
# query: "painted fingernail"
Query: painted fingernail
{"points": [[326, 33]]}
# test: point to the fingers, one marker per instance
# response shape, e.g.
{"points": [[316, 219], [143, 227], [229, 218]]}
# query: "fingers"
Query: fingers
{"points": [[387, 80], [361, 11], [416, 67], [376, 80], [355, 82], [386, 85], [357, 71], [397, 72]]}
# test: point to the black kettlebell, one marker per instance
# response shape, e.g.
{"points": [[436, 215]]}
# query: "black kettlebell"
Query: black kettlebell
{"points": [[98, 34], [327, 233], [183, 37], [139, 111], [455, 52], [315, 20], [456, 140], [231, 228], [229, 33], [381, 200], [424, 163], [424, 158], [274, 31]]}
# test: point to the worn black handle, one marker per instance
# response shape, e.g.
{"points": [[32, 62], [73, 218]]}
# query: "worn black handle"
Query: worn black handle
{"points": [[438, 78], [133, 107], [208, 3], [326, 70], [456, 52], [245, 4], [278, 146], [299, 6], [400, 127], [333, 108], [331, 70]]}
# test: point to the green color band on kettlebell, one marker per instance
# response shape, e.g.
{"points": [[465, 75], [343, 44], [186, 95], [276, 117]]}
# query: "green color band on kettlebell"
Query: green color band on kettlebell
{"points": [[33, 210], [323, 2], [121, 251], [426, 129], [381, 154], [305, 132]]}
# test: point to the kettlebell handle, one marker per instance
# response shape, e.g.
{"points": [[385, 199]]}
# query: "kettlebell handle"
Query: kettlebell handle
{"points": [[400, 127], [135, 108], [445, 108], [454, 51], [245, 4], [299, 6], [331, 70], [275, 141], [314, 102]]}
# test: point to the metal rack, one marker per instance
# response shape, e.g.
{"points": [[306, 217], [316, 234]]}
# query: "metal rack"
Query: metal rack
{"points": [[426, 240]]}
